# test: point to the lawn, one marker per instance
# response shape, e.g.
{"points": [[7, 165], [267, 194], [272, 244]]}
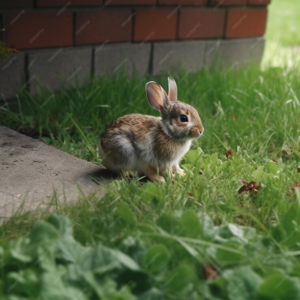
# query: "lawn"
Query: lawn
{"points": [[283, 40], [228, 230], [284, 22]]}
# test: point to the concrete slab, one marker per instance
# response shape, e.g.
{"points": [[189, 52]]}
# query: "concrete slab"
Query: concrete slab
{"points": [[169, 56], [32, 170]]}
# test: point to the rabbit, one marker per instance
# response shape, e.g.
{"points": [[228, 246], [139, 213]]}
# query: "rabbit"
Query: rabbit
{"points": [[150, 145]]}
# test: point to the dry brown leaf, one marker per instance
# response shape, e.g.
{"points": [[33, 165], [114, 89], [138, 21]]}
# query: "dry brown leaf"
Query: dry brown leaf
{"points": [[292, 188], [229, 153], [210, 272], [248, 187]]}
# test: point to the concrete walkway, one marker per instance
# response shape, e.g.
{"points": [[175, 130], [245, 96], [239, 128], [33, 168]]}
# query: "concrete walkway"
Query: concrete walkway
{"points": [[30, 171]]}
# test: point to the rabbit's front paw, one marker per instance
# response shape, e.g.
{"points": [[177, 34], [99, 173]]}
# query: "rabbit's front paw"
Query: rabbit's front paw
{"points": [[176, 169]]}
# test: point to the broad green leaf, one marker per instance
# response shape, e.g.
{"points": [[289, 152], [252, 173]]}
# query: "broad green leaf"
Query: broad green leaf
{"points": [[152, 294], [249, 233], [190, 225], [22, 257], [70, 251], [41, 244], [212, 292], [24, 282], [124, 260], [134, 247], [191, 250], [207, 226], [73, 275], [102, 288], [74, 293], [291, 225], [170, 223], [215, 289], [103, 259], [227, 256], [62, 224], [279, 262], [242, 283], [19, 250], [156, 258], [52, 287], [14, 297], [45, 257], [232, 231], [122, 294], [279, 287], [179, 278], [67, 249], [43, 234]]}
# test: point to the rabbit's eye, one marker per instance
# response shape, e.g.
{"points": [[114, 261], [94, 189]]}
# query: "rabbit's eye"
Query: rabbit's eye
{"points": [[183, 118]]}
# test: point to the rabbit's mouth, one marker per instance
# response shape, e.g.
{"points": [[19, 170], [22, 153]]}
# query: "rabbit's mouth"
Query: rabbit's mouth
{"points": [[196, 132]]}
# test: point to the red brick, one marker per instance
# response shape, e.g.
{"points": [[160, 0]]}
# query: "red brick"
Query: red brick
{"points": [[201, 23], [228, 2], [104, 26], [183, 2], [245, 22], [129, 2], [66, 3], [155, 25], [38, 30], [15, 3], [259, 2]]}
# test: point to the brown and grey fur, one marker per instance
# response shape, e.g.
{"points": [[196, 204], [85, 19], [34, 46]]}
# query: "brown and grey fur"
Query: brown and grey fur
{"points": [[151, 145]]}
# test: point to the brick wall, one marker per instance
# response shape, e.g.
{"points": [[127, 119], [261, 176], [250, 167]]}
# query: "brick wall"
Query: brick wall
{"points": [[74, 39]]}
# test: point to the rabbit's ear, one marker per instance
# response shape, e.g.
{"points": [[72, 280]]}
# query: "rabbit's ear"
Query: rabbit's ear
{"points": [[156, 95], [172, 89]]}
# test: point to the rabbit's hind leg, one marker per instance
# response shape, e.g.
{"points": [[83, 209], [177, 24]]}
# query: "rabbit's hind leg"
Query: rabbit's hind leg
{"points": [[118, 156]]}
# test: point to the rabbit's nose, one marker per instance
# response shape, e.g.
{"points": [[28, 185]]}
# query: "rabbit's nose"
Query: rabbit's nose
{"points": [[201, 131], [195, 132]]}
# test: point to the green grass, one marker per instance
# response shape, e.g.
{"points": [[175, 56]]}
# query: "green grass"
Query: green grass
{"points": [[149, 241], [284, 22], [191, 222], [283, 41]]}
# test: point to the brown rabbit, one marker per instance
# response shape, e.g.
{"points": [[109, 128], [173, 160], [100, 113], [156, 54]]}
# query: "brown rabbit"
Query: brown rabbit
{"points": [[152, 145]]}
